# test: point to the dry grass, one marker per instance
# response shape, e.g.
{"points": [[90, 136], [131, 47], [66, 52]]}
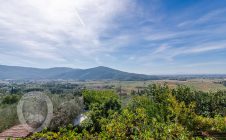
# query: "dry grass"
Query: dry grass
{"points": [[127, 86]]}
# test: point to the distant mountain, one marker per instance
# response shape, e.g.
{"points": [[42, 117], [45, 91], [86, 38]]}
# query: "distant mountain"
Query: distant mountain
{"points": [[97, 73]]}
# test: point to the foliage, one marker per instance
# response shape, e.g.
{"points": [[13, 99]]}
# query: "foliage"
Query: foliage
{"points": [[217, 123], [8, 116], [157, 112], [10, 99], [66, 113], [180, 113], [207, 103], [152, 109], [100, 97], [101, 104]]}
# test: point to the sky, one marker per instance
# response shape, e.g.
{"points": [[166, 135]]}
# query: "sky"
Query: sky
{"points": [[140, 36]]}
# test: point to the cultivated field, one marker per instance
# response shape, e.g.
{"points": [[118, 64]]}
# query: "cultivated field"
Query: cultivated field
{"points": [[128, 86]]}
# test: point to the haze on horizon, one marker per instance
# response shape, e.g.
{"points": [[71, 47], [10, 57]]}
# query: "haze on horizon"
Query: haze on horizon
{"points": [[140, 36]]}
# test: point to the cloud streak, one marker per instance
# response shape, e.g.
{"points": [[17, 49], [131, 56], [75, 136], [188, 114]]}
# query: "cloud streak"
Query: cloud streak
{"points": [[44, 28], [130, 35]]}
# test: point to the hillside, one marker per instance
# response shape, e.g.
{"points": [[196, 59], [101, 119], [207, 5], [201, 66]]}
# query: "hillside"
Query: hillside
{"points": [[97, 73]]}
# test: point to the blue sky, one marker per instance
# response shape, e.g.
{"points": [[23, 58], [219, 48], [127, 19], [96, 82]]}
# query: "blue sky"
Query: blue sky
{"points": [[141, 36]]}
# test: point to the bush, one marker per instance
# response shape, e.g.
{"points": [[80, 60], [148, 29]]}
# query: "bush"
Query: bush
{"points": [[8, 116], [10, 99], [157, 112], [207, 103], [66, 113], [217, 123], [100, 104], [106, 97]]}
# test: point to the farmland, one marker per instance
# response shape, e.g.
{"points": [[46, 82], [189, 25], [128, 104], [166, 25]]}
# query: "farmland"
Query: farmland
{"points": [[66, 97], [128, 86]]}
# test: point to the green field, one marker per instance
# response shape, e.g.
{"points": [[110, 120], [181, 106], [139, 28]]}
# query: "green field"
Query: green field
{"points": [[128, 86]]}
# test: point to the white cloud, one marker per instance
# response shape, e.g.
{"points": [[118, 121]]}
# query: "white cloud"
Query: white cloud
{"points": [[162, 48], [211, 16], [53, 29], [116, 33], [195, 49], [169, 53]]}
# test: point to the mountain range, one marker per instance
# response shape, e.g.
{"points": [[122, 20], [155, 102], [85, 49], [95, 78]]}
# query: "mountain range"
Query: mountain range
{"points": [[64, 73]]}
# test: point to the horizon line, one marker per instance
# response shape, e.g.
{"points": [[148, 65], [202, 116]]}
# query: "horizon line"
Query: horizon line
{"points": [[169, 74]]}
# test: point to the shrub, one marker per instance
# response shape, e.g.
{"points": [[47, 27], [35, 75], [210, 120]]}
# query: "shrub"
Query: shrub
{"points": [[10, 99], [66, 113]]}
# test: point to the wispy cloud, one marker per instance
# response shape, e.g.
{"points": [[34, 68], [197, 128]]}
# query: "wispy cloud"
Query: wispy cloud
{"points": [[128, 35], [45, 28], [212, 16], [189, 50]]}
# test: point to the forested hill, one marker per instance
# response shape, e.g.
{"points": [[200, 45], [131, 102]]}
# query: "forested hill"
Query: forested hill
{"points": [[97, 73]]}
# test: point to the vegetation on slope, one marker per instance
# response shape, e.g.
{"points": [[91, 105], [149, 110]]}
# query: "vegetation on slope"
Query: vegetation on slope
{"points": [[156, 112], [97, 73]]}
